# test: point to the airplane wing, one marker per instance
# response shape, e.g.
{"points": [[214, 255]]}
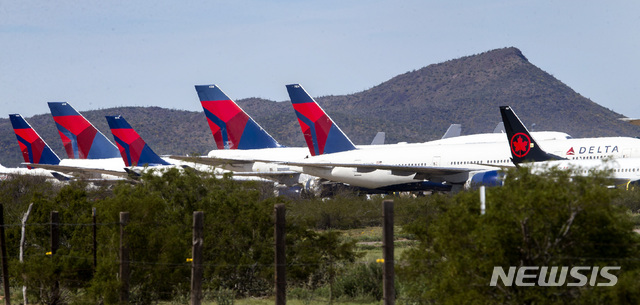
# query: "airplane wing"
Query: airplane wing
{"points": [[285, 176], [422, 171], [79, 170], [631, 120], [266, 174], [212, 161]]}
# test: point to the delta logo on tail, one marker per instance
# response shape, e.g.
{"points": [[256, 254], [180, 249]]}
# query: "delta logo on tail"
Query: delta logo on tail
{"points": [[134, 150], [320, 132], [231, 127], [80, 138], [34, 149]]}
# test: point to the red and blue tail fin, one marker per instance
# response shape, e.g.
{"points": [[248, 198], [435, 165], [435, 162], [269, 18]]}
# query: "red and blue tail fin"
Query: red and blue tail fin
{"points": [[322, 135], [231, 127], [134, 150], [34, 149], [80, 138]]}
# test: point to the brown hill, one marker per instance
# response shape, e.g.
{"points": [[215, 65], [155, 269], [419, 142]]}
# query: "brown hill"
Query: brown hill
{"points": [[414, 107], [419, 105]]}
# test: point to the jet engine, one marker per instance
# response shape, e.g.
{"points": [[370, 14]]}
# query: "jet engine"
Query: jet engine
{"points": [[486, 178]]}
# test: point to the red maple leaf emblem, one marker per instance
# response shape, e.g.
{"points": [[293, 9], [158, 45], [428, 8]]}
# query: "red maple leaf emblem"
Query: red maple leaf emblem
{"points": [[520, 145]]}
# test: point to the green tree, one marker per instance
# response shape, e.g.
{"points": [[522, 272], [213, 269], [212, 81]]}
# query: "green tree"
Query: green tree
{"points": [[238, 237], [238, 234], [71, 266], [542, 219]]}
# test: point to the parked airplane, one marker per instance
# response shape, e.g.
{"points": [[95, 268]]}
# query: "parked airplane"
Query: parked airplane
{"points": [[138, 155], [439, 164], [524, 148], [231, 127], [134, 150], [33, 148], [91, 155], [37, 154], [7, 172], [319, 130], [80, 138], [222, 114], [246, 141], [234, 129]]}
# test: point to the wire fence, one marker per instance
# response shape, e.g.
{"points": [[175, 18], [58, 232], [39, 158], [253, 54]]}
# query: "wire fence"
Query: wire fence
{"points": [[320, 294], [110, 252]]}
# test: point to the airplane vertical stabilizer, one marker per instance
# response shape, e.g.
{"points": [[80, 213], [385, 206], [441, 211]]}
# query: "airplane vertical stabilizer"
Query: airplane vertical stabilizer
{"points": [[322, 135], [134, 150], [523, 147], [34, 149], [231, 127], [80, 138]]}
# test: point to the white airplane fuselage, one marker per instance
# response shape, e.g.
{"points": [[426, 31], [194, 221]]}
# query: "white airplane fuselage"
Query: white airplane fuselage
{"points": [[470, 158], [269, 158], [5, 172], [622, 169]]}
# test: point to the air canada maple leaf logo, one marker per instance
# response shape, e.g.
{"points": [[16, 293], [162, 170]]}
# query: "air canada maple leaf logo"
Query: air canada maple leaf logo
{"points": [[520, 145]]}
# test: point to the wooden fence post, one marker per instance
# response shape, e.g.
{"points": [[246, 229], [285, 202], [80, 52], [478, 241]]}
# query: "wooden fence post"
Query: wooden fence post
{"points": [[94, 216], [55, 232], [389, 294], [124, 260], [5, 267], [280, 259], [55, 244], [23, 236], [196, 265]]}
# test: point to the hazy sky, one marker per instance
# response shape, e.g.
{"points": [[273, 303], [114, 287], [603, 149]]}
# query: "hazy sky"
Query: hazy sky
{"points": [[101, 54]]}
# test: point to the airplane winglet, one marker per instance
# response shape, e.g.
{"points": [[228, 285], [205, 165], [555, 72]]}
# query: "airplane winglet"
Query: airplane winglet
{"points": [[34, 148], [453, 131], [231, 127], [80, 138], [379, 138], [523, 147], [134, 150], [322, 135]]}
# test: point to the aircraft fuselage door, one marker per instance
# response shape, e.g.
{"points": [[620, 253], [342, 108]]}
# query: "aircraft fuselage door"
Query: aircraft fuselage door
{"points": [[436, 161]]}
